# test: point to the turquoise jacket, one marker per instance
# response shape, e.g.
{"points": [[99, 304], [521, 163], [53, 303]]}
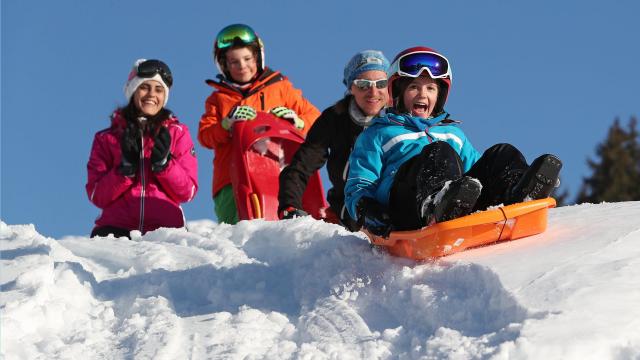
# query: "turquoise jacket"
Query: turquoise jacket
{"points": [[391, 140]]}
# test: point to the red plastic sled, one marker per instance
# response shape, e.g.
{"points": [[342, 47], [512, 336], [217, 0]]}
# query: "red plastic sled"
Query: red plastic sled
{"points": [[483, 228], [261, 149]]}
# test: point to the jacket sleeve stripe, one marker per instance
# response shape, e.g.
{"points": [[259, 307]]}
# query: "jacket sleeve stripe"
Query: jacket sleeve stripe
{"points": [[445, 137], [397, 139]]}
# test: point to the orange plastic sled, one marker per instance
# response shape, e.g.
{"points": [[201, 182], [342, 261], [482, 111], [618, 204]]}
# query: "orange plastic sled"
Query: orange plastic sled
{"points": [[484, 228]]}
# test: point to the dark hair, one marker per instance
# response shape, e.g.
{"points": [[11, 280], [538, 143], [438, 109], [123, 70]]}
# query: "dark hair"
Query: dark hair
{"points": [[253, 47], [131, 114], [401, 84]]}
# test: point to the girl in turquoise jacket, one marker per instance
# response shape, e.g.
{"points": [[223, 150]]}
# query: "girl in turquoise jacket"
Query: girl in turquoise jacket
{"points": [[414, 166]]}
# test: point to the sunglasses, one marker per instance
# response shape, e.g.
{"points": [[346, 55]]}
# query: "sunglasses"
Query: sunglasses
{"points": [[150, 68], [231, 34], [364, 84], [413, 64]]}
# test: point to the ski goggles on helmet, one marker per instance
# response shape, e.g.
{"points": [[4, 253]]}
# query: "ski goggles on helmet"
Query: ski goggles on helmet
{"points": [[234, 33], [364, 84], [149, 69], [413, 64]]}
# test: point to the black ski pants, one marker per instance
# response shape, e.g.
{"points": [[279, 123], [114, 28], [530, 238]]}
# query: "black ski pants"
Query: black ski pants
{"points": [[498, 169], [106, 230]]}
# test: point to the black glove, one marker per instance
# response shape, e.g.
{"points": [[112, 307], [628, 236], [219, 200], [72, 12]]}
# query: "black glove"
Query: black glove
{"points": [[374, 217], [349, 223], [160, 154], [130, 146], [291, 213]]}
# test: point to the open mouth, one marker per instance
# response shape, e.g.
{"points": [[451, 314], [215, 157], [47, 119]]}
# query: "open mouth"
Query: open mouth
{"points": [[420, 107]]}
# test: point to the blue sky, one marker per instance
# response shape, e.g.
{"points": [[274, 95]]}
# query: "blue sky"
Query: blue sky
{"points": [[547, 76]]}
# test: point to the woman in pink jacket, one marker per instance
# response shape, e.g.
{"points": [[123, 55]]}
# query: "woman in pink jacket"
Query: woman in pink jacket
{"points": [[144, 165]]}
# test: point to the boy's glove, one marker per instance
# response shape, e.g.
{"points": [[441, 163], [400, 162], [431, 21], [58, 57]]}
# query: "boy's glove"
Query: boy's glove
{"points": [[291, 213], [373, 216], [160, 154], [289, 115], [130, 146], [238, 113]]}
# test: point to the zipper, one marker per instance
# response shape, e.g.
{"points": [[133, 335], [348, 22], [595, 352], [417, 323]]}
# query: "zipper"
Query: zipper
{"points": [[142, 182], [262, 101], [429, 136], [345, 171]]}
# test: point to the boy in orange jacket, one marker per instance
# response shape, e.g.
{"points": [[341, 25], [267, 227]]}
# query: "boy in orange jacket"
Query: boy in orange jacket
{"points": [[245, 85]]}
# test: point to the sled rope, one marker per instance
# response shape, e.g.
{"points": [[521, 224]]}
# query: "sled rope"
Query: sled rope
{"points": [[504, 223]]}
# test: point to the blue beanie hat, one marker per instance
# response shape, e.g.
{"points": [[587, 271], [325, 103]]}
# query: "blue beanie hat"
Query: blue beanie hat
{"points": [[364, 61]]}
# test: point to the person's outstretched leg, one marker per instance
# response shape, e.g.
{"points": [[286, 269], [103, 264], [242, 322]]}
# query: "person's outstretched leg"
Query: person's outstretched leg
{"points": [[507, 179], [498, 169]]}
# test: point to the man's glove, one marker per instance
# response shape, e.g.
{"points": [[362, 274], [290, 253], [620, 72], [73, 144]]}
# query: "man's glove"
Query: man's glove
{"points": [[160, 154], [238, 113], [289, 115], [374, 217], [291, 213], [130, 146], [348, 222]]}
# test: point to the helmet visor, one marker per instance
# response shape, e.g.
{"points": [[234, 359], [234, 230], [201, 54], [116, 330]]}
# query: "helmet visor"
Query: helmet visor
{"points": [[413, 64], [234, 33], [150, 68]]}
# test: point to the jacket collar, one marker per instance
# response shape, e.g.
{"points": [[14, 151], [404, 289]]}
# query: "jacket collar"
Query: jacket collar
{"points": [[118, 120], [392, 117], [267, 77]]}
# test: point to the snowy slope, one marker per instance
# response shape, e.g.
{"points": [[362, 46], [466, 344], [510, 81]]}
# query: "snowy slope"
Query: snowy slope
{"points": [[306, 289]]}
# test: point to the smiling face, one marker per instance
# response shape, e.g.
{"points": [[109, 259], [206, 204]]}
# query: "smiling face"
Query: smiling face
{"points": [[420, 96], [372, 100], [149, 97], [241, 63]]}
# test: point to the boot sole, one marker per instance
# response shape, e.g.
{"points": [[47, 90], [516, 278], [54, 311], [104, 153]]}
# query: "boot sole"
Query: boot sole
{"points": [[458, 201], [546, 176]]}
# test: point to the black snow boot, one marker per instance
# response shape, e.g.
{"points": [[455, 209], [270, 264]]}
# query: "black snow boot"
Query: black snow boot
{"points": [[538, 181], [456, 198]]}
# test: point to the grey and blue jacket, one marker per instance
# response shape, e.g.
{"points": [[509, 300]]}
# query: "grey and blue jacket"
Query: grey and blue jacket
{"points": [[390, 141]]}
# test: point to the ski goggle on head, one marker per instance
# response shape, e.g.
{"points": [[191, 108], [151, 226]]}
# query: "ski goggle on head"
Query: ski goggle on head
{"points": [[231, 34], [413, 64], [364, 84], [149, 69]]}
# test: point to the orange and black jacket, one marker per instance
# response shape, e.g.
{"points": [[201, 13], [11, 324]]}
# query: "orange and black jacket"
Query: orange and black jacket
{"points": [[270, 90]]}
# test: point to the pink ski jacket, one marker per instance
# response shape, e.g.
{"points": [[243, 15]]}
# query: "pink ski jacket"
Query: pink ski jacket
{"points": [[148, 200]]}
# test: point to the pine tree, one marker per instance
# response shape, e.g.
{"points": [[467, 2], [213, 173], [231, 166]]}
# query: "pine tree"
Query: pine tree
{"points": [[562, 198], [616, 171]]}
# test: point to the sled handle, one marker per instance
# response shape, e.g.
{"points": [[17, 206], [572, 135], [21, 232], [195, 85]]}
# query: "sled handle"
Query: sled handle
{"points": [[255, 204]]}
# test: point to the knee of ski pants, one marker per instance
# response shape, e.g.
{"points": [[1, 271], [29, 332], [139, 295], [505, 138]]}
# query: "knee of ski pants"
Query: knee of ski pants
{"points": [[505, 151], [441, 159], [440, 150], [225, 206]]}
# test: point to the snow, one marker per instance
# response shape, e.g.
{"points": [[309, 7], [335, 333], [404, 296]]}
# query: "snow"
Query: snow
{"points": [[303, 289]]}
